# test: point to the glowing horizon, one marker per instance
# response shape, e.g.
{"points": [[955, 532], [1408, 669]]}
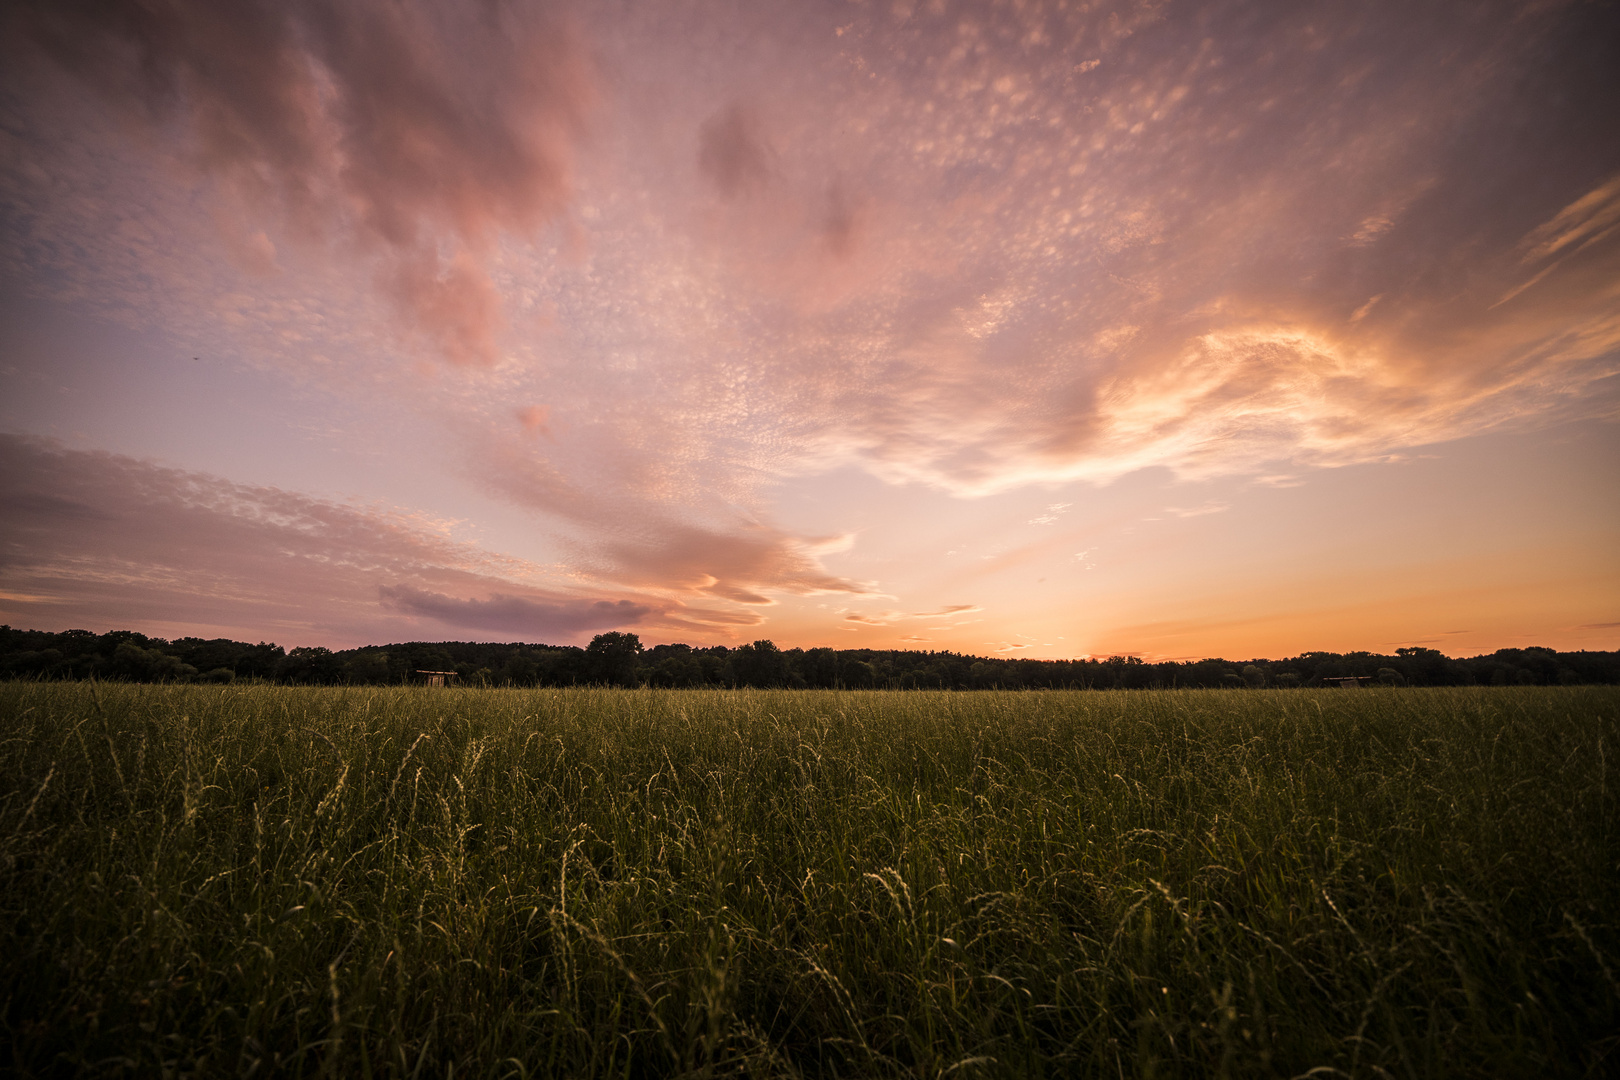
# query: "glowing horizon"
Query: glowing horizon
{"points": [[1059, 330]]}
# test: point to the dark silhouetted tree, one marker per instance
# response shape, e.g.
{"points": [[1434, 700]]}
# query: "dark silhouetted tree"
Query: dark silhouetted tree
{"points": [[759, 664], [613, 658]]}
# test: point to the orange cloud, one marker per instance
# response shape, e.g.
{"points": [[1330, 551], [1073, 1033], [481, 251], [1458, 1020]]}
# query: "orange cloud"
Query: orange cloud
{"points": [[887, 618], [534, 418]]}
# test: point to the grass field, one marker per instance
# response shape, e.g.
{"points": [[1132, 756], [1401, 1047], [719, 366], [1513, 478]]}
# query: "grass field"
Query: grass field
{"points": [[392, 882]]}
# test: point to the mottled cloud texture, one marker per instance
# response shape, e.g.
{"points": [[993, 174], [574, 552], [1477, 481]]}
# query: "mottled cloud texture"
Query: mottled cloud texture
{"points": [[644, 265], [415, 131]]}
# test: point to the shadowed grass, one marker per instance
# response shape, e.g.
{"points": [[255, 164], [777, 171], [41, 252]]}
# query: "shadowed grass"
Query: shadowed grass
{"points": [[388, 881]]}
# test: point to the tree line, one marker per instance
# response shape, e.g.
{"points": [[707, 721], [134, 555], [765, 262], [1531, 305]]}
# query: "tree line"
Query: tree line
{"points": [[619, 659]]}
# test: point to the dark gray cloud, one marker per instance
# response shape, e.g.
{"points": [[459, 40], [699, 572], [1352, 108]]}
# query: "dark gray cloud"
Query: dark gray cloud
{"points": [[21, 505], [517, 614]]}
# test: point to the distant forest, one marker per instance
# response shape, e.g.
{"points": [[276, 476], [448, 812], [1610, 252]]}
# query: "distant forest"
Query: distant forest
{"points": [[619, 659]]}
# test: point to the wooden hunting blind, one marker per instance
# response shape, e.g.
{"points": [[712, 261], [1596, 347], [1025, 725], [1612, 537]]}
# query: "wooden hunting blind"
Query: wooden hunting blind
{"points": [[439, 678]]}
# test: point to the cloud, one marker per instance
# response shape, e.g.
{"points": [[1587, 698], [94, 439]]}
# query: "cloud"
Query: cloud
{"points": [[978, 250], [732, 154], [947, 610], [416, 132], [516, 614], [456, 305], [735, 563], [841, 223], [1586, 221], [637, 538], [1197, 511], [1023, 226], [534, 419], [102, 539], [888, 618]]}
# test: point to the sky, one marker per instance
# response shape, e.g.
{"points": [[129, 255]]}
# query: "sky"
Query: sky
{"points": [[1051, 329]]}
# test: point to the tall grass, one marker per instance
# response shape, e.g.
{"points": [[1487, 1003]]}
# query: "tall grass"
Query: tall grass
{"points": [[402, 882]]}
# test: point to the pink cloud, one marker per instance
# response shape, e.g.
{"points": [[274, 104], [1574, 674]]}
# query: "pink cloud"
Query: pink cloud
{"points": [[732, 153], [417, 132], [1024, 224], [640, 540], [534, 419], [104, 539]]}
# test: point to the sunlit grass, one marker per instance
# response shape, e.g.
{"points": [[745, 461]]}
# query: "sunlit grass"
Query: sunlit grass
{"points": [[582, 882]]}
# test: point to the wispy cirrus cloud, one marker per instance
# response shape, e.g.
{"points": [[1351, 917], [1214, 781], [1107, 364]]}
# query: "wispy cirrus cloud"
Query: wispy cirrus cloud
{"points": [[948, 611], [888, 618], [1197, 511]]}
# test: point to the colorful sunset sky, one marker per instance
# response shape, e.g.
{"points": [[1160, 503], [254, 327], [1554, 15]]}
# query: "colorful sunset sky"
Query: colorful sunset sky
{"points": [[1054, 329]]}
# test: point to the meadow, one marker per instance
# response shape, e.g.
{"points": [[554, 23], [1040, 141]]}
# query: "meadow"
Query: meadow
{"points": [[405, 882]]}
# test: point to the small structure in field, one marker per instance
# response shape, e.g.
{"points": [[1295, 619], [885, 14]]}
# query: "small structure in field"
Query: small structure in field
{"points": [[439, 678], [1349, 682]]}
